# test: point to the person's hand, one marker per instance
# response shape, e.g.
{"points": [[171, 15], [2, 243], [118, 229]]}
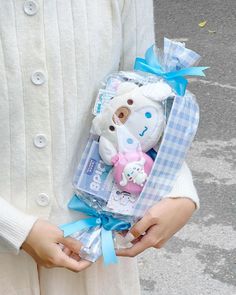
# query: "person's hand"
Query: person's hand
{"points": [[158, 225], [46, 244]]}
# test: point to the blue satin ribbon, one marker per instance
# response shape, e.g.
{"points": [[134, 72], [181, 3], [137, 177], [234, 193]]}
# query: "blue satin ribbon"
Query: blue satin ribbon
{"points": [[107, 223], [175, 79]]}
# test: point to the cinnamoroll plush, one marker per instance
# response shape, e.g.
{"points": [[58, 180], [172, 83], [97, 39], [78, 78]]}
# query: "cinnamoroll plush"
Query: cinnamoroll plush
{"points": [[129, 126]]}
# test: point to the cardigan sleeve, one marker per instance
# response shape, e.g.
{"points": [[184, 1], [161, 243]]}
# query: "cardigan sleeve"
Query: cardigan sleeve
{"points": [[184, 186], [137, 30], [14, 226]]}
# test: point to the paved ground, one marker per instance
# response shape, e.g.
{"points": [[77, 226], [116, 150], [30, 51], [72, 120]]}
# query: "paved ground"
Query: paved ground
{"points": [[201, 259]]}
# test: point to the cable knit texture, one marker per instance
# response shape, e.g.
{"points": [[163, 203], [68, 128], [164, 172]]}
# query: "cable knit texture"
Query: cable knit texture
{"points": [[45, 122], [15, 225]]}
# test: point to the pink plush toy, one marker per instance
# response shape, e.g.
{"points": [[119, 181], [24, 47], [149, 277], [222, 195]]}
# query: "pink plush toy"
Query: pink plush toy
{"points": [[132, 170]]}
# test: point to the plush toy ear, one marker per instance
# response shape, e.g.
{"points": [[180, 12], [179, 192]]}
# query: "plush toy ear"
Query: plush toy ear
{"points": [[157, 91], [126, 87], [106, 150], [97, 125]]}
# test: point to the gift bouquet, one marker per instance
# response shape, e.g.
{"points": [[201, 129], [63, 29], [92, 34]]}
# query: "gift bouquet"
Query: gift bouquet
{"points": [[144, 124]]}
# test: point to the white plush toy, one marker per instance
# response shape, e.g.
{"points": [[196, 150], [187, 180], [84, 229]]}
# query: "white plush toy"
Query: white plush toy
{"points": [[129, 126], [134, 113]]}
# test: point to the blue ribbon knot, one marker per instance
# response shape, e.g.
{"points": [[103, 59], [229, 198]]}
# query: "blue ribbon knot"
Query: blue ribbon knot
{"points": [[105, 221], [176, 79]]}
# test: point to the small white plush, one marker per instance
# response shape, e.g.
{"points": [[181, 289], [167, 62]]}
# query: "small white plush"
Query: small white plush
{"points": [[134, 171]]}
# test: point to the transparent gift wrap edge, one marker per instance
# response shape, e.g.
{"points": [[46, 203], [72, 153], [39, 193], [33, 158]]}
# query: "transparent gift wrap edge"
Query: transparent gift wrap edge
{"points": [[144, 124]]}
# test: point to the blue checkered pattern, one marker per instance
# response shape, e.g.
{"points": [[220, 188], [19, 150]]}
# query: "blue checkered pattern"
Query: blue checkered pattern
{"points": [[179, 133], [177, 56]]}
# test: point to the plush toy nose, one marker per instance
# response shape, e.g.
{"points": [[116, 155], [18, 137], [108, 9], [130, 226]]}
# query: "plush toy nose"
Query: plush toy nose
{"points": [[121, 115]]}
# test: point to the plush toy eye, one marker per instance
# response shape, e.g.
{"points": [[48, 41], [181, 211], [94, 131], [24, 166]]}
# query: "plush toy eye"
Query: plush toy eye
{"points": [[148, 115], [130, 101], [130, 140], [112, 128]]}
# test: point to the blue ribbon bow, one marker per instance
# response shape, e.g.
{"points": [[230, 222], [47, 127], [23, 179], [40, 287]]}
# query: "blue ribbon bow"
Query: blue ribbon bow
{"points": [[106, 222], [175, 79]]}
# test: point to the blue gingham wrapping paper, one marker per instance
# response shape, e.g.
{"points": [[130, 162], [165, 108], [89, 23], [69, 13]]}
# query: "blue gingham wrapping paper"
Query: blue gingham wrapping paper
{"points": [[176, 56], [178, 136]]}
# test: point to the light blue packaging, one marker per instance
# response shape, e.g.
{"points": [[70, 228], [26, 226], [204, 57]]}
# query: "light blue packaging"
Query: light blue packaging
{"points": [[95, 177], [104, 96]]}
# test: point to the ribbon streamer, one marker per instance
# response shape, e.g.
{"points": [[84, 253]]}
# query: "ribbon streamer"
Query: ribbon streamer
{"points": [[105, 221]]}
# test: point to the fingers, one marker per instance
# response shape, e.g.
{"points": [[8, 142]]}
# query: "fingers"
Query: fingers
{"points": [[72, 264], [72, 249], [71, 254], [141, 227], [61, 259], [160, 244], [67, 251], [72, 244], [151, 239], [137, 248], [75, 256]]}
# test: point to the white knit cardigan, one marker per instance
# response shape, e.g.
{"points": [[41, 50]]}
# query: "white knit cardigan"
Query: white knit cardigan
{"points": [[52, 60]]}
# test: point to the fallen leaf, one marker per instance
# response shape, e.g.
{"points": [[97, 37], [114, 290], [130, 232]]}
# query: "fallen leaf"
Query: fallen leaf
{"points": [[211, 31], [202, 24]]}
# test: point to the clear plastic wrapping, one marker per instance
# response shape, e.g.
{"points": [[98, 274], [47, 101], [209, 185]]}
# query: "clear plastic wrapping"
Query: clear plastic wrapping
{"points": [[140, 135]]}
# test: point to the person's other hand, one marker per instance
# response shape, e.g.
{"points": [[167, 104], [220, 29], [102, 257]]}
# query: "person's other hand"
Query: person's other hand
{"points": [[46, 244], [158, 225]]}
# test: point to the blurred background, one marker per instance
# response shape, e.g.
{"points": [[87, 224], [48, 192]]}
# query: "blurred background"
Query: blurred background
{"points": [[201, 258]]}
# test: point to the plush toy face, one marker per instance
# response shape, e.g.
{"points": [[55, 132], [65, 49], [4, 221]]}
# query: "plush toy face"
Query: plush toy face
{"points": [[134, 118], [134, 172]]}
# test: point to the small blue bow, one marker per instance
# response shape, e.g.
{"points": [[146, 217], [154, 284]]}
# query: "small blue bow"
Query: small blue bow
{"points": [[175, 78], [106, 222]]}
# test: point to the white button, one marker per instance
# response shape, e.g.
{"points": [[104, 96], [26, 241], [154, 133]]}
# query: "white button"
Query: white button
{"points": [[38, 78], [40, 141], [42, 200], [30, 7]]}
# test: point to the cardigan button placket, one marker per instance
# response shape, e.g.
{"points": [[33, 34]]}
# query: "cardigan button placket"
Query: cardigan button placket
{"points": [[39, 184]]}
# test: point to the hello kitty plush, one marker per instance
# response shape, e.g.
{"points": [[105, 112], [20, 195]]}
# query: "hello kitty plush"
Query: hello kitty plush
{"points": [[130, 125]]}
